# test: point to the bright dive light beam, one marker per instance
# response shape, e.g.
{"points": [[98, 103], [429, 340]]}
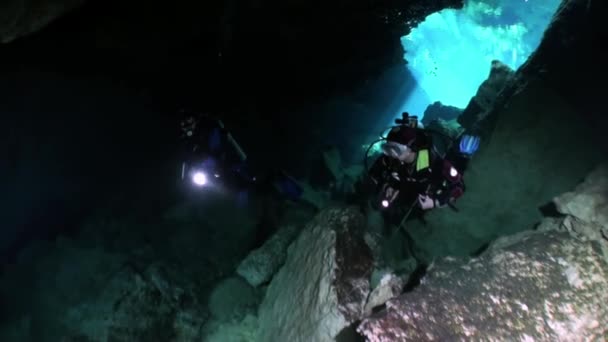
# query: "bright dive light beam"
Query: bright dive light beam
{"points": [[199, 178], [385, 203]]}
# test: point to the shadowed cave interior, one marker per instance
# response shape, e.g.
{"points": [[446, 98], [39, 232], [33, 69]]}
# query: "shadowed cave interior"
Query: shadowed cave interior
{"points": [[105, 238]]}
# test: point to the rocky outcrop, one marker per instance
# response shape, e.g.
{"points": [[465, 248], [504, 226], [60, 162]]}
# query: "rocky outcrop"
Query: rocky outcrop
{"points": [[438, 110], [586, 208], [324, 284], [445, 134], [20, 17], [389, 287], [538, 285], [261, 264], [567, 60], [232, 299], [548, 286], [483, 102]]}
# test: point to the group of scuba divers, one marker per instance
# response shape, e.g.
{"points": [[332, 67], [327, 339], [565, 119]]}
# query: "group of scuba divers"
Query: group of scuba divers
{"points": [[410, 175]]}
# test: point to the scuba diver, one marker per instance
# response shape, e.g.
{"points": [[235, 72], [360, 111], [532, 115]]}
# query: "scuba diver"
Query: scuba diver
{"points": [[213, 158], [411, 174]]}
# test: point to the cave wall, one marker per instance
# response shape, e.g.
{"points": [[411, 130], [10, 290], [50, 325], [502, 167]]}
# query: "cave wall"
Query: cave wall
{"points": [[524, 165], [570, 61]]}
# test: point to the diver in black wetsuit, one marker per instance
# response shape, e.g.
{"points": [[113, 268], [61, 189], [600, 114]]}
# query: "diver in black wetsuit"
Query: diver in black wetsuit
{"points": [[412, 175], [212, 156]]}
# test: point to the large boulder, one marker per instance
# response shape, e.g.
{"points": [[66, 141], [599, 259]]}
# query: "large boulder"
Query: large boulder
{"points": [[483, 102], [547, 284], [232, 299], [261, 264], [20, 17], [586, 209], [324, 284], [588, 203], [437, 111]]}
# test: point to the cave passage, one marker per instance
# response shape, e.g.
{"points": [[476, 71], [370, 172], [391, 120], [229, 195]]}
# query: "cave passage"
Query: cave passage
{"points": [[450, 52]]}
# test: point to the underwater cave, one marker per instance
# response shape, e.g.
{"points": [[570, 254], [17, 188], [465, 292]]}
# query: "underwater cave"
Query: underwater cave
{"points": [[244, 170]]}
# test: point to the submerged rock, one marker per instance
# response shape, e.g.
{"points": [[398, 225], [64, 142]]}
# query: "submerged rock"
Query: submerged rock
{"points": [[261, 264], [445, 134], [451, 128], [232, 299], [437, 111], [587, 205], [324, 284], [483, 101], [548, 284], [389, 287]]}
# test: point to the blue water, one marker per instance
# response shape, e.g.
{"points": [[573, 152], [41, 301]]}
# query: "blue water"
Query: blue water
{"points": [[450, 53]]}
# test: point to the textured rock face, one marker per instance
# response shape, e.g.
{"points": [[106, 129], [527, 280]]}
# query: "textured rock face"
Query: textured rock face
{"points": [[323, 286], [439, 111], [262, 263], [483, 101], [231, 299], [588, 202], [567, 59], [390, 286], [20, 17], [445, 132], [547, 284]]}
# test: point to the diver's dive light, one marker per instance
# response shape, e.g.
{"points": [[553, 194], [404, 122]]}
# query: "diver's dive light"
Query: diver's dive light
{"points": [[199, 178]]}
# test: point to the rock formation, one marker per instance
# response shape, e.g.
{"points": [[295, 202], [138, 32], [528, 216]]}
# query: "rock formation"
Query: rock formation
{"points": [[324, 284], [567, 59], [438, 110], [483, 102], [261, 264], [538, 285]]}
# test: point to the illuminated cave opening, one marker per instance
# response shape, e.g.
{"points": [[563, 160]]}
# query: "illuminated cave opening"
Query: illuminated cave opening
{"points": [[450, 52]]}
